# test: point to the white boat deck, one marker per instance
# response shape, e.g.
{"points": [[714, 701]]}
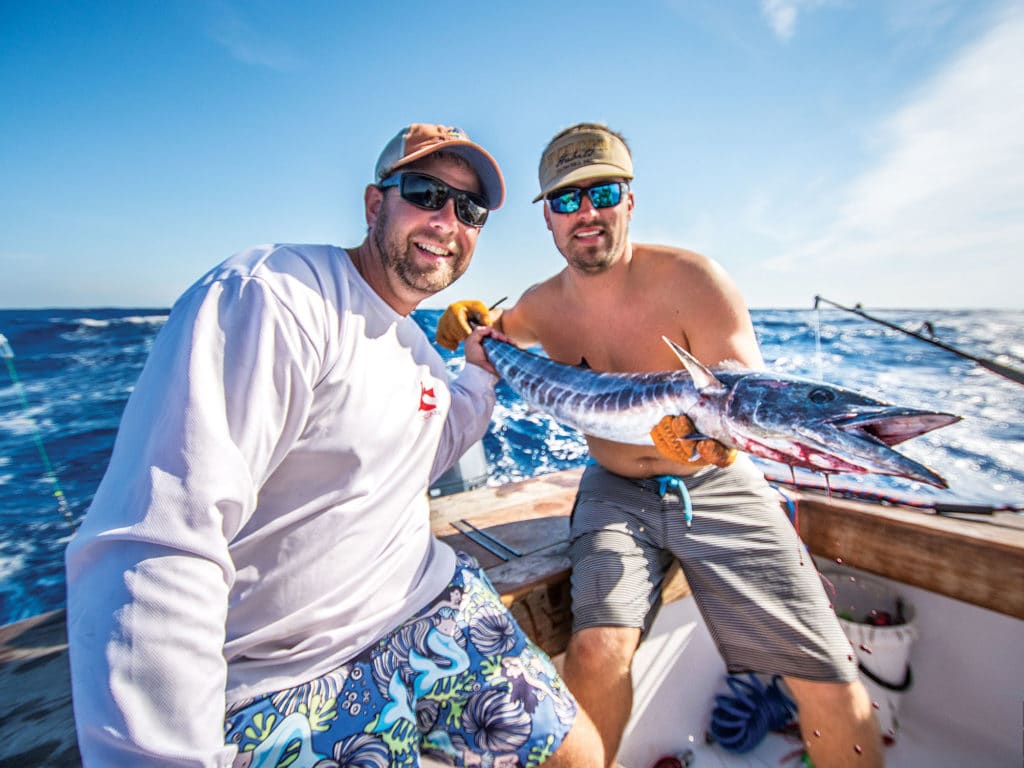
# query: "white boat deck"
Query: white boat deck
{"points": [[963, 709]]}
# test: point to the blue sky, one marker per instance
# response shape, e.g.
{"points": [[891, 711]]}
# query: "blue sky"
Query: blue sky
{"points": [[866, 150]]}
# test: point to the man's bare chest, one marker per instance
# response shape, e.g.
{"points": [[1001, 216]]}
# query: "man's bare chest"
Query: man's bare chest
{"points": [[616, 342]]}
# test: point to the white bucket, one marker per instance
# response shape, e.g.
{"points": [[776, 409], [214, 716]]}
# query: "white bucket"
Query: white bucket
{"points": [[864, 606]]}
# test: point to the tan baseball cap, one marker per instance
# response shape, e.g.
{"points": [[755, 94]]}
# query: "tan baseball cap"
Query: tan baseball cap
{"points": [[587, 154], [420, 139]]}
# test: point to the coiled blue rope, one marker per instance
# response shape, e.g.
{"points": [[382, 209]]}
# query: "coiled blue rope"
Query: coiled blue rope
{"points": [[741, 721]]}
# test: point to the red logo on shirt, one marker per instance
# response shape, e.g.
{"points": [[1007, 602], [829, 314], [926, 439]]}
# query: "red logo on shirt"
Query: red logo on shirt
{"points": [[427, 401]]}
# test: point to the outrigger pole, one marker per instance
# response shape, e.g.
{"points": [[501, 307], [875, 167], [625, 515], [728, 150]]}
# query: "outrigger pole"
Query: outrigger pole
{"points": [[1003, 370]]}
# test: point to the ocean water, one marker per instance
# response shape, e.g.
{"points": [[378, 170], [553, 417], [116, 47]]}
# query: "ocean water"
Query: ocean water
{"points": [[62, 394]]}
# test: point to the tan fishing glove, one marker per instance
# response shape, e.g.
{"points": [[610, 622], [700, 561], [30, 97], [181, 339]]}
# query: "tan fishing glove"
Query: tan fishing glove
{"points": [[454, 325], [670, 438]]}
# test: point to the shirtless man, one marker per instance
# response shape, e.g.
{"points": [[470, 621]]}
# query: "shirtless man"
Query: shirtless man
{"points": [[763, 601]]}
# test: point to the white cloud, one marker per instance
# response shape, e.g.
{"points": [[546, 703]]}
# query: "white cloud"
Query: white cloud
{"points": [[781, 15], [946, 195]]}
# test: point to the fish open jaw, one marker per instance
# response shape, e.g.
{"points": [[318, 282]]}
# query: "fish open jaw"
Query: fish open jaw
{"points": [[892, 425]]}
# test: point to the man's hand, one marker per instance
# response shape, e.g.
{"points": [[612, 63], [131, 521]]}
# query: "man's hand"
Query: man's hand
{"points": [[454, 325], [671, 439], [475, 352]]}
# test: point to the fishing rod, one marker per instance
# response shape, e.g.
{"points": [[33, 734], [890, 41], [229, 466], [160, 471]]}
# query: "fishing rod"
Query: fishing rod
{"points": [[1003, 370], [856, 494], [7, 353]]}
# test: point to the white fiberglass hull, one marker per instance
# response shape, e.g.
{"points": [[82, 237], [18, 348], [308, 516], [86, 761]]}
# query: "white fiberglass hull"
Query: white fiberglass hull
{"points": [[963, 709]]}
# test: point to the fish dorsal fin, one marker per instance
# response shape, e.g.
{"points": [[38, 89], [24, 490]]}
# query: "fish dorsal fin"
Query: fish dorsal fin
{"points": [[584, 364], [703, 378]]}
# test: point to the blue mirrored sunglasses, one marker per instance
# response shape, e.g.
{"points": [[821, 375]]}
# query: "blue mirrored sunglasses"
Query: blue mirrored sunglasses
{"points": [[569, 199], [431, 194]]}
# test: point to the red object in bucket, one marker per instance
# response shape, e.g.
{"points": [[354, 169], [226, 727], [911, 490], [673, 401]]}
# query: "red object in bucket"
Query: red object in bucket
{"points": [[879, 619], [675, 761]]}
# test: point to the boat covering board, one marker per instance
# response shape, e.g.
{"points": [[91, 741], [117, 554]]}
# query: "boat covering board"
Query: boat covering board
{"points": [[979, 560]]}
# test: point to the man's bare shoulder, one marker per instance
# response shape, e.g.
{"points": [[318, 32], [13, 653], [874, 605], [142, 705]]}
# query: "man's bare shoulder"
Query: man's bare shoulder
{"points": [[669, 255], [665, 262], [711, 311], [539, 295], [534, 311]]}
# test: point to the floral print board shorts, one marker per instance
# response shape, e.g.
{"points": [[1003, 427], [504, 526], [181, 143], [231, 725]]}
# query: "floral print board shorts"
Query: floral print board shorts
{"points": [[459, 681]]}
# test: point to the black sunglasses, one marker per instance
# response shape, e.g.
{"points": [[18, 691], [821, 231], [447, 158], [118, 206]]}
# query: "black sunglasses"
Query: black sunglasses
{"points": [[569, 199], [431, 194]]}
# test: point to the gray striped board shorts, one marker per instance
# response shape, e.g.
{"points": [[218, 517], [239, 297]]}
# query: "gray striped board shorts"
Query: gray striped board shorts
{"points": [[753, 580]]}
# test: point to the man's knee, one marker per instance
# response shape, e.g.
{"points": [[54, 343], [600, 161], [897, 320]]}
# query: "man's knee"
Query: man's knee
{"points": [[841, 716], [603, 646], [582, 746], [851, 698]]}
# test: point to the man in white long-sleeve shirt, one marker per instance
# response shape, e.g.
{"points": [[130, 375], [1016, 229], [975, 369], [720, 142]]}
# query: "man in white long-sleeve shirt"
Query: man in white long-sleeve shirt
{"points": [[256, 578]]}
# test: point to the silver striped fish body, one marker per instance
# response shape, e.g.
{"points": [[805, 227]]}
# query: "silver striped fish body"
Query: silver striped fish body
{"points": [[623, 407], [789, 419]]}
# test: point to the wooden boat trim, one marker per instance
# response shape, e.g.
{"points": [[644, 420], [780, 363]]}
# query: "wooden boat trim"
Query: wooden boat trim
{"points": [[977, 561], [533, 517]]}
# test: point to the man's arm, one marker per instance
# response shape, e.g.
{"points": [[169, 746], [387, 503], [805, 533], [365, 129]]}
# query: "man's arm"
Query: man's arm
{"points": [[718, 327], [472, 403], [515, 323], [149, 571]]}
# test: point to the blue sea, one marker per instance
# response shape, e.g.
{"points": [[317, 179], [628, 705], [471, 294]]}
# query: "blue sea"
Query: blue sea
{"points": [[62, 394]]}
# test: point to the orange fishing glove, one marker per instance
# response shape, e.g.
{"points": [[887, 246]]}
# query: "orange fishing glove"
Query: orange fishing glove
{"points": [[454, 325], [670, 438]]}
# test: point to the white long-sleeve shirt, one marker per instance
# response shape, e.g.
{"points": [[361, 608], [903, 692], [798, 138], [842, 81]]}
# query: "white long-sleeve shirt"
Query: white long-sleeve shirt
{"points": [[264, 515]]}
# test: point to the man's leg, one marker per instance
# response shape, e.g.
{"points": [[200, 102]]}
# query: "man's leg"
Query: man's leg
{"points": [[838, 724], [618, 565], [598, 672], [759, 590], [581, 747]]}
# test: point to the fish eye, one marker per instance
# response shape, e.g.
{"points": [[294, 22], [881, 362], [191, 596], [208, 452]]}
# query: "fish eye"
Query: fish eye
{"points": [[821, 396]]}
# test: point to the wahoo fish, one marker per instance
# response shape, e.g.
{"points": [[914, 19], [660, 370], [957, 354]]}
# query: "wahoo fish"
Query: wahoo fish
{"points": [[789, 419]]}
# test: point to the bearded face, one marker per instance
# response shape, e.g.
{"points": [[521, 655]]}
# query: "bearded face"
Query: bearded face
{"points": [[591, 239], [418, 251], [423, 260]]}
